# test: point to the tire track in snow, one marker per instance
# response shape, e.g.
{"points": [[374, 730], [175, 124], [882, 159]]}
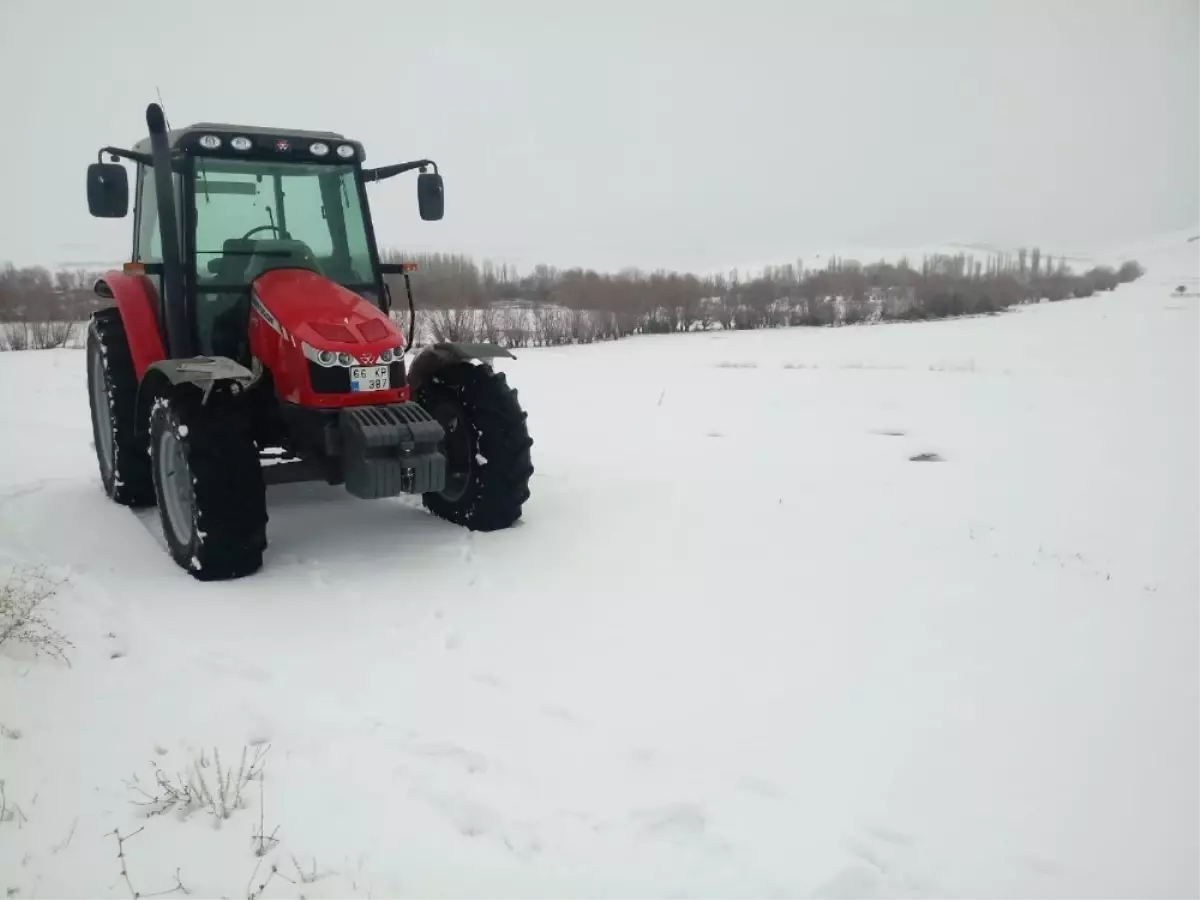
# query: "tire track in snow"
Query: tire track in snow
{"points": [[22, 490]]}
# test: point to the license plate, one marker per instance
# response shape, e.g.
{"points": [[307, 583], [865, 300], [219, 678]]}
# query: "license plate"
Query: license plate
{"points": [[369, 378]]}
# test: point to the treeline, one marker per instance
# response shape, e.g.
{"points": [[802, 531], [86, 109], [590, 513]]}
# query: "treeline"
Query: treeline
{"points": [[473, 300], [35, 294], [841, 291]]}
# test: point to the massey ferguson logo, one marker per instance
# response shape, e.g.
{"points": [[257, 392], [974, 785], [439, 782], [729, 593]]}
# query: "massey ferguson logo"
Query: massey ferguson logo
{"points": [[367, 359], [257, 306]]}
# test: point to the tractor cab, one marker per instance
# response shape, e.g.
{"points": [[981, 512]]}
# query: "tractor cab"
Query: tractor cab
{"points": [[248, 200]]}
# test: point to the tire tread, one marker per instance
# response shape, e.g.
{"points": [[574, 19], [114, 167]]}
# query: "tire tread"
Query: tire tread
{"points": [[131, 483]]}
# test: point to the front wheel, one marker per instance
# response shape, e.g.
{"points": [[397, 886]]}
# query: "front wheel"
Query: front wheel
{"points": [[209, 485], [487, 447]]}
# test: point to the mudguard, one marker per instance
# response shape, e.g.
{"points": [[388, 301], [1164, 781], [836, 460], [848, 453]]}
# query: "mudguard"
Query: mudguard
{"points": [[204, 372], [137, 302], [438, 356]]}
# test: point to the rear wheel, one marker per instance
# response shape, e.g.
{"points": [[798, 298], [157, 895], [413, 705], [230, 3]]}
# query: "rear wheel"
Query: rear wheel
{"points": [[209, 485], [487, 447], [112, 394]]}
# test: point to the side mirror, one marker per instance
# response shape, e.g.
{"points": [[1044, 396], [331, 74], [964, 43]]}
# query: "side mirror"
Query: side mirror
{"points": [[107, 190], [430, 197]]}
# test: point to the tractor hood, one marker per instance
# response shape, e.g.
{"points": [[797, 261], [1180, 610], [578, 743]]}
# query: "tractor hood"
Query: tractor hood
{"points": [[322, 312]]}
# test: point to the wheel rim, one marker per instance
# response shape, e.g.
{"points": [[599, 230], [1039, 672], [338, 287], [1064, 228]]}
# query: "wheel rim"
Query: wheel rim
{"points": [[104, 429], [176, 481], [459, 445]]}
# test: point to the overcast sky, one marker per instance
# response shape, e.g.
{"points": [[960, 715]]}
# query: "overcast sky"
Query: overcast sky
{"points": [[680, 134]]}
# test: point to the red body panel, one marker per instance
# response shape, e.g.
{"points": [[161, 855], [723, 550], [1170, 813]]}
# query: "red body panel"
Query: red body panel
{"points": [[302, 306], [137, 301]]}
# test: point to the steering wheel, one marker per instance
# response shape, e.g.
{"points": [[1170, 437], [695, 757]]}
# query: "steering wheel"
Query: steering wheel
{"points": [[262, 228]]}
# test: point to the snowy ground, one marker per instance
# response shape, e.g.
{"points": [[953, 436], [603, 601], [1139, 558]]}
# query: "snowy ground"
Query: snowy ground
{"points": [[740, 645]]}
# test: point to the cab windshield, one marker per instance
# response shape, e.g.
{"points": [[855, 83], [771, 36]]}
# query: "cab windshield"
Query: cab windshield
{"points": [[255, 216]]}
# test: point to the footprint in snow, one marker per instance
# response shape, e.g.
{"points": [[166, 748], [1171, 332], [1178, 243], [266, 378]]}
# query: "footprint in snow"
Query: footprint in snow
{"points": [[681, 819], [645, 756], [560, 713], [864, 851], [760, 787], [119, 648], [472, 819], [889, 835], [1045, 867], [851, 883], [887, 853], [220, 664], [470, 761], [926, 457], [490, 680]]}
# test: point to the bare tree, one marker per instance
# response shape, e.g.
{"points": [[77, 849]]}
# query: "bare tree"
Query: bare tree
{"points": [[50, 335], [453, 324]]}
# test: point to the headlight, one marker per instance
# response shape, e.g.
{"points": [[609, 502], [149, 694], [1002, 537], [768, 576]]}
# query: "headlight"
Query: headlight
{"points": [[240, 143], [345, 151], [386, 357], [210, 141], [325, 358], [318, 149], [345, 359]]}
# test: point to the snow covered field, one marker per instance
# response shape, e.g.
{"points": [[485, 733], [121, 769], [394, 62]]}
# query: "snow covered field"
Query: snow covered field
{"points": [[740, 645]]}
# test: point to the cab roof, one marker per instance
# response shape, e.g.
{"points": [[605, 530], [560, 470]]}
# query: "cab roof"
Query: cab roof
{"points": [[185, 138]]}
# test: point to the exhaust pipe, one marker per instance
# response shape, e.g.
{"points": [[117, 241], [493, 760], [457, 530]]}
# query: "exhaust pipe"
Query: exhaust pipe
{"points": [[176, 309]]}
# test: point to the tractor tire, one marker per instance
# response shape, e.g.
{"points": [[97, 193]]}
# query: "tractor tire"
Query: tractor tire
{"points": [[112, 394], [209, 484], [487, 447]]}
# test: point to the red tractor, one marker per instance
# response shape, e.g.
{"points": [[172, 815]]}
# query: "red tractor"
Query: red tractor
{"points": [[249, 342]]}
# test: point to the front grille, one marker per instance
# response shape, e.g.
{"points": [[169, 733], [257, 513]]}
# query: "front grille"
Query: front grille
{"points": [[331, 380], [336, 379]]}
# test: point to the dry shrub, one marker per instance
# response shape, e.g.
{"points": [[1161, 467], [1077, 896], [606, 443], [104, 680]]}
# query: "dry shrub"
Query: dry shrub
{"points": [[50, 335], [453, 324], [1130, 271], [553, 326], [583, 326], [491, 326], [206, 785], [22, 614], [855, 310], [817, 311], [14, 336]]}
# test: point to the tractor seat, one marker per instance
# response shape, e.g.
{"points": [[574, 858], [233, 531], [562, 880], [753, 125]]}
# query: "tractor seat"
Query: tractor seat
{"points": [[222, 316], [279, 253], [230, 266], [244, 259]]}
